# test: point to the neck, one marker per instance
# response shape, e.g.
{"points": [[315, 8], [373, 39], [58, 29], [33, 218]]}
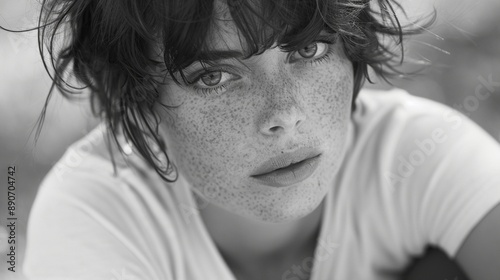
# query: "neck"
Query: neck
{"points": [[243, 240]]}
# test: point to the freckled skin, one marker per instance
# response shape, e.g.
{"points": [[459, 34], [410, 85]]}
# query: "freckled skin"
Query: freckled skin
{"points": [[217, 140]]}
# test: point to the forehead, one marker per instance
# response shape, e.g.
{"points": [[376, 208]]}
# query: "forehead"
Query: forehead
{"points": [[223, 33], [248, 27], [262, 29]]}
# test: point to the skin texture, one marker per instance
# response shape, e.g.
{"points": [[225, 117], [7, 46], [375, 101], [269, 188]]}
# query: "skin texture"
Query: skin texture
{"points": [[276, 105]]}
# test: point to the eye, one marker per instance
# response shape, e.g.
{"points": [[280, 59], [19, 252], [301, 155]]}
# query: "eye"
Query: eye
{"points": [[308, 51], [214, 78], [213, 81], [312, 51]]}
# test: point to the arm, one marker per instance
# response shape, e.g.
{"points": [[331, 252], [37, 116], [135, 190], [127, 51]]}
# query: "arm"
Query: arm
{"points": [[456, 191], [479, 255]]}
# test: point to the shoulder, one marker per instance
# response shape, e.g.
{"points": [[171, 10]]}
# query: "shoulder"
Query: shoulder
{"points": [[432, 164], [93, 216], [413, 140], [86, 174], [396, 106], [93, 175], [391, 125], [399, 124]]}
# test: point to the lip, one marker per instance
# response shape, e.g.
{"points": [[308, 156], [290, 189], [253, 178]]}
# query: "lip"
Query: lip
{"points": [[289, 168]]}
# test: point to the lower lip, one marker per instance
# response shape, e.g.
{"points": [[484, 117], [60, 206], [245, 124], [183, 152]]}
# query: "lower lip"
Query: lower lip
{"points": [[290, 175]]}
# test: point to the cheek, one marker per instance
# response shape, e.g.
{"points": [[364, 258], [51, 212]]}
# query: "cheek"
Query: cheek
{"points": [[329, 110], [331, 90], [204, 137]]}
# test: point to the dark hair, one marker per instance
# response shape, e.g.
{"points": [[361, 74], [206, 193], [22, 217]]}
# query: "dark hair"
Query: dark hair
{"points": [[111, 45]]}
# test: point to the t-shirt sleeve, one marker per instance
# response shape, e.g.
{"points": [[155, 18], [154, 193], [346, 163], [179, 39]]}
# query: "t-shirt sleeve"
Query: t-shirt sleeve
{"points": [[449, 169], [83, 227]]}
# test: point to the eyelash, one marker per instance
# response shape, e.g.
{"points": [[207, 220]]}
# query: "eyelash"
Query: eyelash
{"points": [[214, 90], [222, 88], [325, 57], [208, 91]]}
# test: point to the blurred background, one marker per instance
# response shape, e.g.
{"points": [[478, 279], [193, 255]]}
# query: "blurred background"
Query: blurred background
{"points": [[461, 51]]}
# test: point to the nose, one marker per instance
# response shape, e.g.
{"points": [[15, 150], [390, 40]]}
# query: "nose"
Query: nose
{"points": [[283, 115]]}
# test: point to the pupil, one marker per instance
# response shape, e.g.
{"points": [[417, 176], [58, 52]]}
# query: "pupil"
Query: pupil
{"points": [[212, 79], [309, 51]]}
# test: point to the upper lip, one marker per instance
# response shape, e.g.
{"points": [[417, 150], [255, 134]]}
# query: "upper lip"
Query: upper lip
{"points": [[285, 160]]}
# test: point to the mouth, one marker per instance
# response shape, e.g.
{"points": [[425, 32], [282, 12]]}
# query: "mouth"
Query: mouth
{"points": [[289, 168]]}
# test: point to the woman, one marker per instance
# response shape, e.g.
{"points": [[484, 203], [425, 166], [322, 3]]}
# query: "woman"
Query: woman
{"points": [[237, 143]]}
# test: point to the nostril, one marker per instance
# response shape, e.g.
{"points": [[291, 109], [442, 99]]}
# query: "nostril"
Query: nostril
{"points": [[274, 128], [282, 121]]}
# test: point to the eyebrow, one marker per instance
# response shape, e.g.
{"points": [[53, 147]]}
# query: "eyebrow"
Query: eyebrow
{"points": [[215, 55]]}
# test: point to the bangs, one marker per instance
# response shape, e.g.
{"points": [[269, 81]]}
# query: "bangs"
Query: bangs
{"points": [[261, 24]]}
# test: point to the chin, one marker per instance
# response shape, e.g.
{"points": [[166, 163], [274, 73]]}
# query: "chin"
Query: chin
{"points": [[282, 212]]}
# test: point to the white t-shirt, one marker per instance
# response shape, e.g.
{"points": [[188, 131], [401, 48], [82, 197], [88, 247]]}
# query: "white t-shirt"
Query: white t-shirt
{"points": [[416, 173]]}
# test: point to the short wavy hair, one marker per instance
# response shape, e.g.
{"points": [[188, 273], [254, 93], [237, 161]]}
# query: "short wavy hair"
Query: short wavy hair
{"points": [[110, 47]]}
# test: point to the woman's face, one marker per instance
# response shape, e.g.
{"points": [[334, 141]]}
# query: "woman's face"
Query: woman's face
{"points": [[240, 121]]}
